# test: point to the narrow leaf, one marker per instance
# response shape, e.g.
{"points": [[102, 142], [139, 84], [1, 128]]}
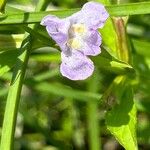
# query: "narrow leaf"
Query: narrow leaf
{"points": [[65, 91], [114, 10]]}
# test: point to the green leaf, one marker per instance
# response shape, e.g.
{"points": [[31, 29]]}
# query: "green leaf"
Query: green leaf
{"points": [[10, 42], [129, 9], [109, 34], [7, 61], [114, 10], [107, 62], [142, 47], [114, 36], [65, 91], [3, 92], [11, 9], [50, 57], [46, 75], [109, 37], [121, 120]]}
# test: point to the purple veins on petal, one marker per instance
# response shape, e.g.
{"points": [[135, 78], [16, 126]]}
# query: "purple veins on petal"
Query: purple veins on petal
{"points": [[76, 66]]}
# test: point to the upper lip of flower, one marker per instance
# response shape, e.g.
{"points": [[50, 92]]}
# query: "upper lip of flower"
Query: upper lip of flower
{"points": [[78, 32]]}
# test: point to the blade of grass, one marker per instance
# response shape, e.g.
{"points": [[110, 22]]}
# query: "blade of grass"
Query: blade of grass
{"points": [[92, 115], [65, 91], [114, 10], [46, 75], [13, 98]]}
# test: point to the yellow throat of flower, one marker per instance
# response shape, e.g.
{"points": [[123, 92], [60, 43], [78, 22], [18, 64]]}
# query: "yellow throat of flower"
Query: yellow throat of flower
{"points": [[74, 43], [77, 33], [78, 28]]}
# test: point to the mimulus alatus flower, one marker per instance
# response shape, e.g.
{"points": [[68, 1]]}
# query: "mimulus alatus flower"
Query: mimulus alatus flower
{"points": [[78, 37]]}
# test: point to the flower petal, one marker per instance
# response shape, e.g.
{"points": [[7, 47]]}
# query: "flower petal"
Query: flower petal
{"points": [[90, 50], [92, 44], [95, 14], [92, 14], [57, 29], [77, 66]]}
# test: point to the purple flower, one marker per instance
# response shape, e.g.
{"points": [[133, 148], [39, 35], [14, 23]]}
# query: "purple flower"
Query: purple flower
{"points": [[77, 37]]}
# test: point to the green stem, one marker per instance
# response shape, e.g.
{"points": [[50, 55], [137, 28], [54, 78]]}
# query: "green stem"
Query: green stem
{"points": [[92, 117], [13, 99]]}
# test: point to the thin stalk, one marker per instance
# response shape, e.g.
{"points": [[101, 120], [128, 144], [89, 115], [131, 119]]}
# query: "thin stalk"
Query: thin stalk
{"points": [[92, 117], [13, 99]]}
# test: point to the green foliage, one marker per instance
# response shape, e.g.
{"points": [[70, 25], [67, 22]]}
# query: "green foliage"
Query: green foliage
{"points": [[121, 120], [35, 17], [109, 34], [2, 5], [142, 47], [62, 90], [7, 60], [56, 113]]}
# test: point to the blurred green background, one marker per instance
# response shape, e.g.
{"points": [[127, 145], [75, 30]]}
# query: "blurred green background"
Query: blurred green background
{"points": [[58, 114]]}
